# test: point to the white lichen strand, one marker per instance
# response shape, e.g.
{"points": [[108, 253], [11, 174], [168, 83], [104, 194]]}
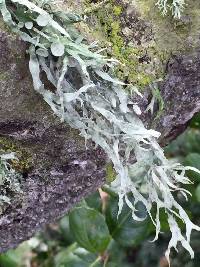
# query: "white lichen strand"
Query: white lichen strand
{"points": [[9, 178], [102, 111], [176, 7]]}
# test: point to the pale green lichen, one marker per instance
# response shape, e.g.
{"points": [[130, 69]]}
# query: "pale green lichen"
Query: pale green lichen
{"points": [[14, 163], [9, 179], [23, 162], [103, 112], [176, 7], [3, 76]]}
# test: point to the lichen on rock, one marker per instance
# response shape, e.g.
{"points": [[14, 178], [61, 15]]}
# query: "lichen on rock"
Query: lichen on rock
{"points": [[55, 155], [142, 39]]}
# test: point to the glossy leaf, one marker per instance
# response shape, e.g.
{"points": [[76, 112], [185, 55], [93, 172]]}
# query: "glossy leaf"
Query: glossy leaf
{"points": [[193, 159], [197, 193], [125, 230], [94, 201], [74, 257], [89, 229]]}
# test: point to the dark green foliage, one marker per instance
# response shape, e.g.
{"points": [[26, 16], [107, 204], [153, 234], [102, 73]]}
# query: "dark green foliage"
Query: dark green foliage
{"points": [[124, 230], [89, 229], [193, 159]]}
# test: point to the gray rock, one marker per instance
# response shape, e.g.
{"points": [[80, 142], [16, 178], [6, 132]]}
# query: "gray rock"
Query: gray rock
{"points": [[58, 170]]}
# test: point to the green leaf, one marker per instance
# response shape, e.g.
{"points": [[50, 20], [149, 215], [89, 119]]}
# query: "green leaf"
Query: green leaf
{"points": [[6, 261], [94, 201], [197, 193], [193, 159], [15, 257], [21, 15], [118, 256], [64, 228], [67, 258], [89, 229], [74, 256], [186, 143], [195, 122], [125, 230]]}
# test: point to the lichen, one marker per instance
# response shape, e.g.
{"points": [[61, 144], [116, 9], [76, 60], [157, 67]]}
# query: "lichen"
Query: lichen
{"points": [[24, 160], [110, 173], [175, 6], [10, 180], [135, 65], [103, 112], [172, 35], [142, 39]]}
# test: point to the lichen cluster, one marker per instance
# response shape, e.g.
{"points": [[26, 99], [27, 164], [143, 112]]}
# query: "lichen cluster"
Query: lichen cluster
{"points": [[85, 94], [9, 179], [176, 7]]}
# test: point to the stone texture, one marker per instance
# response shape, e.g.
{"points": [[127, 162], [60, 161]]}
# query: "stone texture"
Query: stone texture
{"points": [[180, 92], [59, 170], [135, 32]]}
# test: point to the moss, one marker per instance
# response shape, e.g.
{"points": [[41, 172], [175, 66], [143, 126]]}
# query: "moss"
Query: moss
{"points": [[3, 76], [117, 10], [131, 69], [110, 173], [142, 39], [24, 162], [3, 26]]}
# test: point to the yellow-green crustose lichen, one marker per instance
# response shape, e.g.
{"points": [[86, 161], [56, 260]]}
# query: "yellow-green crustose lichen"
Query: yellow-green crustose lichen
{"points": [[23, 162]]}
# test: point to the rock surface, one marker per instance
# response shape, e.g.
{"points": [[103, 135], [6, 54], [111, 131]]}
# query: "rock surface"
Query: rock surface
{"points": [[58, 170]]}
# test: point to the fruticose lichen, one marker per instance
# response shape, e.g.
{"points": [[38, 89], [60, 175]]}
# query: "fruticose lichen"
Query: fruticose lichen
{"points": [[99, 107], [176, 7], [9, 179]]}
